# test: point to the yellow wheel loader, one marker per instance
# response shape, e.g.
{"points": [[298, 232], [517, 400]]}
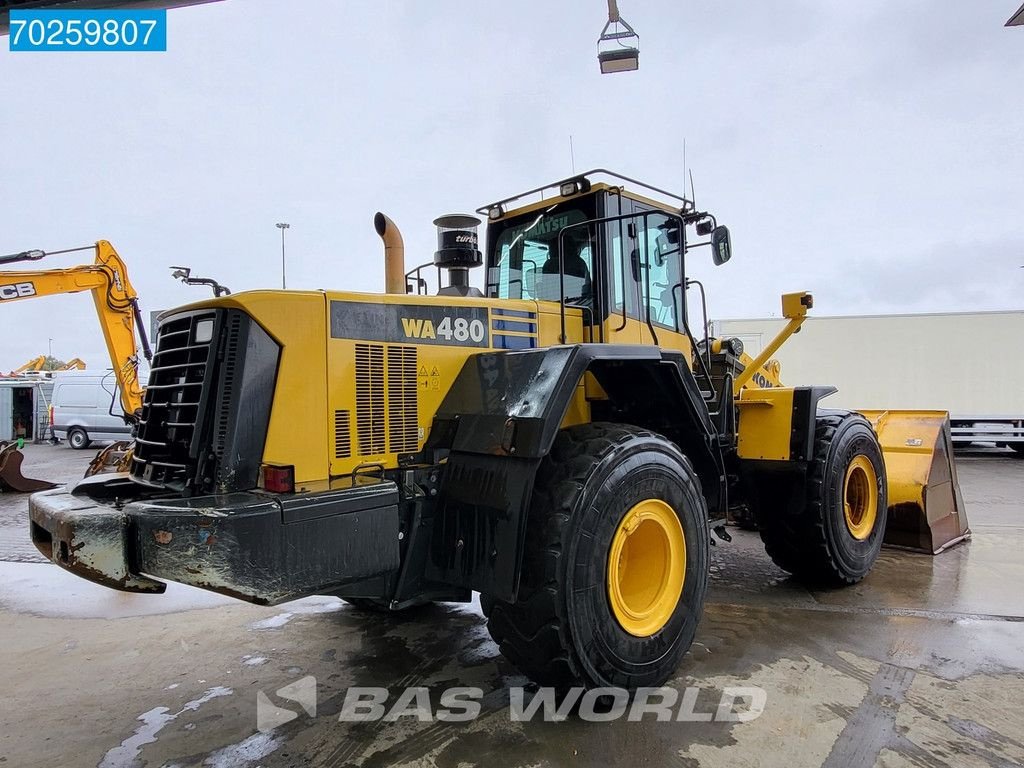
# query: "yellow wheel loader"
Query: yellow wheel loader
{"points": [[557, 442]]}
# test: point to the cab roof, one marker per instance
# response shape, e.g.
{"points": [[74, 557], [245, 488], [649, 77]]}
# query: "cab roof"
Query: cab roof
{"points": [[582, 183]]}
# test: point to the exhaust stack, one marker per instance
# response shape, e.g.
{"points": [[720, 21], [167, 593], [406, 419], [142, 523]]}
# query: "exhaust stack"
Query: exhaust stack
{"points": [[394, 253]]}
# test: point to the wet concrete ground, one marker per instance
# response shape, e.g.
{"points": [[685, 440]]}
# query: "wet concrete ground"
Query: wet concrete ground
{"points": [[56, 463], [919, 665]]}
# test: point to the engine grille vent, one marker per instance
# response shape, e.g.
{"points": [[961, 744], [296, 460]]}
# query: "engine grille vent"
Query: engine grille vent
{"points": [[226, 390], [342, 434], [164, 451], [370, 398], [403, 429]]}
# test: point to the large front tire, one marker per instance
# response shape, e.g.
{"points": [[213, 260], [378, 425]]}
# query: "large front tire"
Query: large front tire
{"points": [[615, 571], [827, 527]]}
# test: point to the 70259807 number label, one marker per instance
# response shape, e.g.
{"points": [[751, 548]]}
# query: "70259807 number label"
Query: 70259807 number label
{"points": [[84, 30]]}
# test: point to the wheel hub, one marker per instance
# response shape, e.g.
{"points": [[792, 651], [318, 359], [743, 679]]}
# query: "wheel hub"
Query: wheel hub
{"points": [[860, 498], [646, 567]]}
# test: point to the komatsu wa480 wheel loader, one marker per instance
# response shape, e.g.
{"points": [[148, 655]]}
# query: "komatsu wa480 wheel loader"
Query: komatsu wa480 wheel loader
{"points": [[561, 442]]}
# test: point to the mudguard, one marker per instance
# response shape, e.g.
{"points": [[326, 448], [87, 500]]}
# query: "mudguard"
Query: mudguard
{"points": [[500, 418]]}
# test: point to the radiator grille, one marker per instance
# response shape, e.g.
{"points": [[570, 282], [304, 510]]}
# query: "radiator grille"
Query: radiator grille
{"points": [[370, 398], [226, 392], [164, 451], [403, 428], [342, 434]]}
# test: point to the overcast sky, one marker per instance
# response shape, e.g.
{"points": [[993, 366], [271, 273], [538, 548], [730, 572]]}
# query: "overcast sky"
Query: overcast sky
{"points": [[871, 152]]}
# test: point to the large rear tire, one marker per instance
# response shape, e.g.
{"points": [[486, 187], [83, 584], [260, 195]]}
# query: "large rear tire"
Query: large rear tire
{"points": [[615, 571], [827, 528]]}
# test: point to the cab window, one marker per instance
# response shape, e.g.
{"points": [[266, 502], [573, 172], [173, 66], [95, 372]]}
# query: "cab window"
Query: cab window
{"points": [[524, 256], [661, 259], [646, 265]]}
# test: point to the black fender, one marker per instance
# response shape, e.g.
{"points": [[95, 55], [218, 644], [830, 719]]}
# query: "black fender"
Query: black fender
{"points": [[501, 417]]}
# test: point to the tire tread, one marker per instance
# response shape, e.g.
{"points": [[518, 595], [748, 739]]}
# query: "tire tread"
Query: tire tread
{"points": [[798, 543], [533, 633]]}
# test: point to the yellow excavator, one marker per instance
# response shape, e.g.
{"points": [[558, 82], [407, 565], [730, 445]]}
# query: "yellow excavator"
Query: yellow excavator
{"points": [[117, 306], [33, 365], [74, 364]]}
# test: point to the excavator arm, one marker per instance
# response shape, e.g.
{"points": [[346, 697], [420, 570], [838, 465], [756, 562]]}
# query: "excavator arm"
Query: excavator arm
{"points": [[35, 364], [117, 307]]}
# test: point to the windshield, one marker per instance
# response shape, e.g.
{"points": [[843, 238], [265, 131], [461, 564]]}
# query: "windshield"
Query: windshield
{"points": [[524, 258]]}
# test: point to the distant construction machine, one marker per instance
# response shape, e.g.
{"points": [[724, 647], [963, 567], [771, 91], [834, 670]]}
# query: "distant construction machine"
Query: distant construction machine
{"points": [[117, 307]]}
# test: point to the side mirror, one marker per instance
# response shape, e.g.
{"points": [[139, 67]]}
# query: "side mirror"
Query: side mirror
{"points": [[721, 245]]}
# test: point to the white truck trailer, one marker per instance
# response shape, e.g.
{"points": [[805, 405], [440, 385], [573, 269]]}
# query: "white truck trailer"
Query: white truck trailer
{"points": [[967, 363]]}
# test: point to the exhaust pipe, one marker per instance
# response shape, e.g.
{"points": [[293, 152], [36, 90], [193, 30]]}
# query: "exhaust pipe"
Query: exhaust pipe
{"points": [[394, 253]]}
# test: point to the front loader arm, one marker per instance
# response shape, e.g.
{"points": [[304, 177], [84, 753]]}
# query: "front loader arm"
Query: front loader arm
{"points": [[926, 509], [117, 307]]}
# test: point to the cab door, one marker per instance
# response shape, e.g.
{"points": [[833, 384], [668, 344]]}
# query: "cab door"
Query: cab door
{"points": [[645, 276], [622, 324]]}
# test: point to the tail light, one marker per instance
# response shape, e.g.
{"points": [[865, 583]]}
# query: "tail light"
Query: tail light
{"points": [[277, 479]]}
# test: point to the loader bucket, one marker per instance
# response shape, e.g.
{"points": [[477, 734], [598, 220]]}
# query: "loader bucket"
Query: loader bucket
{"points": [[926, 510], [11, 478]]}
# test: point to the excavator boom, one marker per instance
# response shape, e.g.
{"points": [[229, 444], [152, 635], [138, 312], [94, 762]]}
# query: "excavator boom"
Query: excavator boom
{"points": [[35, 364], [116, 302]]}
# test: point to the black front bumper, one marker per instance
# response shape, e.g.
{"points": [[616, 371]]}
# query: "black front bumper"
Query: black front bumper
{"points": [[257, 547]]}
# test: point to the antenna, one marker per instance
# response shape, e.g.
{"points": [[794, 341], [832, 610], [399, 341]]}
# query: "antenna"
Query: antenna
{"points": [[684, 166], [693, 194], [572, 156]]}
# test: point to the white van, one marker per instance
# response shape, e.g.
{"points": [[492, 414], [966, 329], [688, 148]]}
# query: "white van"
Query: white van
{"points": [[87, 407]]}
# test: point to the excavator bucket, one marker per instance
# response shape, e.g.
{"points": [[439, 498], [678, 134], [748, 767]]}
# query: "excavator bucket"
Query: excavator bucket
{"points": [[116, 457], [926, 510], [11, 478]]}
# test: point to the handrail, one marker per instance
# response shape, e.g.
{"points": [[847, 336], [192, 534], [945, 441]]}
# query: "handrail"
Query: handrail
{"points": [[687, 204]]}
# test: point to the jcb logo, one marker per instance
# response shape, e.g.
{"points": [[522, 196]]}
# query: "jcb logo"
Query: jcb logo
{"points": [[17, 291]]}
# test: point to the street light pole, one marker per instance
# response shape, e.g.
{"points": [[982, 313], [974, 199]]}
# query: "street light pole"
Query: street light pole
{"points": [[282, 226]]}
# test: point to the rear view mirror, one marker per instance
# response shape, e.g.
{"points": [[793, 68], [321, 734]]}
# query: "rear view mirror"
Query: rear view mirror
{"points": [[721, 245]]}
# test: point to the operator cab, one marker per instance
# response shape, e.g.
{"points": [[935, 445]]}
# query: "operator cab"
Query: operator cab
{"points": [[615, 255]]}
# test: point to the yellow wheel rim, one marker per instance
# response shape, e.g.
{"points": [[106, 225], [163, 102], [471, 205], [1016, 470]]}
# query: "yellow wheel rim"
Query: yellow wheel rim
{"points": [[860, 498], [646, 567]]}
